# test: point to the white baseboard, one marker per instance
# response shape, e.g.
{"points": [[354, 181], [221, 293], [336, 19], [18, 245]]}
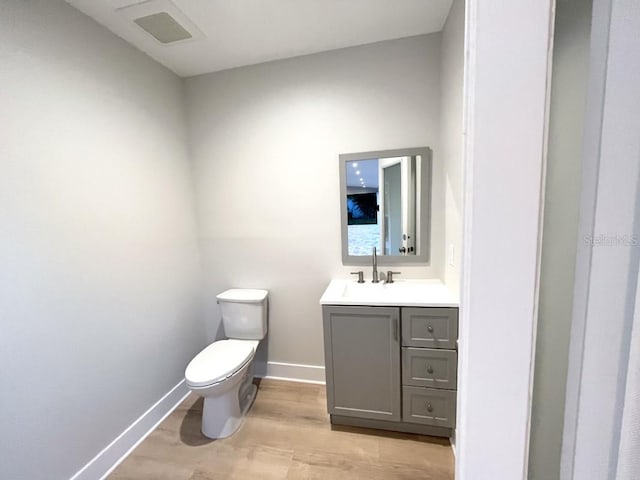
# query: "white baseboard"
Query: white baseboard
{"points": [[113, 454], [294, 372]]}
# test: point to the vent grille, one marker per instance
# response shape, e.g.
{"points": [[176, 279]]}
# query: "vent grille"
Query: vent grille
{"points": [[163, 27]]}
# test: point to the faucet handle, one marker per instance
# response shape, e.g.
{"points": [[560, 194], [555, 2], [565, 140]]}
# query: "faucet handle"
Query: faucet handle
{"points": [[360, 276], [390, 275]]}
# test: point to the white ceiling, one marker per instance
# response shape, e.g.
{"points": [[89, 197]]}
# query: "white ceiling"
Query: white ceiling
{"points": [[362, 174], [246, 32]]}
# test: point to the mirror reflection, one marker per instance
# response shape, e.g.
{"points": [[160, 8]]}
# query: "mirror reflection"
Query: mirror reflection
{"points": [[382, 202], [381, 198]]}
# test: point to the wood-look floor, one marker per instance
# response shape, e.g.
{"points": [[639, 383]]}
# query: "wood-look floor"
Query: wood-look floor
{"points": [[286, 435]]}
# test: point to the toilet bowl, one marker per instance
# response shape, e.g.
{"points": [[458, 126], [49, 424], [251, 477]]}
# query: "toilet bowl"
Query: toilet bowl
{"points": [[222, 373]]}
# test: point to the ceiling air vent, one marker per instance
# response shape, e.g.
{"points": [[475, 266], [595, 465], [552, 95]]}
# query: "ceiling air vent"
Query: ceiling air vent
{"points": [[163, 27], [162, 20]]}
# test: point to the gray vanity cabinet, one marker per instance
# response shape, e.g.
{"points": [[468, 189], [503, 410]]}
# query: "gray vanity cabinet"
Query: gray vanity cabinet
{"points": [[362, 361], [392, 368]]}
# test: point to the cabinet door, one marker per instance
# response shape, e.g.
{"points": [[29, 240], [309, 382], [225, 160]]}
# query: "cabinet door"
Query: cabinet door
{"points": [[362, 361]]}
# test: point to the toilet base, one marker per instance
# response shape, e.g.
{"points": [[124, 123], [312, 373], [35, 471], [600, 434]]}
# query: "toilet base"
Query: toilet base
{"points": [[223, 415]]}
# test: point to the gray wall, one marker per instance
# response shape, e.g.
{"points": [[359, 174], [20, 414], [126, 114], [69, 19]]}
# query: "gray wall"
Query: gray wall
{"points": [[560, 234], [98, 246], [452, 65], [265, 141]]}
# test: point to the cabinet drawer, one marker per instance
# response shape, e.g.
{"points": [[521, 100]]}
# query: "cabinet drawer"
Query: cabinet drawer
{"points": [[427, 367], [430, 327], [429, 406]]}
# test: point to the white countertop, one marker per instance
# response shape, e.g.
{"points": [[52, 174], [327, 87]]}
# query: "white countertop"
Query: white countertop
{"points": [[403, 293]]}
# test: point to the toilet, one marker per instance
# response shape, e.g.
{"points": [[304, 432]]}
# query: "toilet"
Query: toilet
{"points": [[222, 373]]}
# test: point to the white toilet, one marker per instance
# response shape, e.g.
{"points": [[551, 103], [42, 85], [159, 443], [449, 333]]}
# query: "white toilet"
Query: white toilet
{"points": [[222, 373]]}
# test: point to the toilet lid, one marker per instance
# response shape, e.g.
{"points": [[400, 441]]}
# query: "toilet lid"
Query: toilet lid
{"points": [[243, 295], [218, 361]]}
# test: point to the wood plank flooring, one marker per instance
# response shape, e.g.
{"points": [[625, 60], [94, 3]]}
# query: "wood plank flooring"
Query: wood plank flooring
{"points": [[286, 435]]}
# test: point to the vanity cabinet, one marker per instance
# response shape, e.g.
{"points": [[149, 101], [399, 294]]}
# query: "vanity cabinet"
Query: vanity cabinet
{"points": [[392, 368]]}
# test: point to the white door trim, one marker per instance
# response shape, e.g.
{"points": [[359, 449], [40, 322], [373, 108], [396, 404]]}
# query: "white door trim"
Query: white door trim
{"points": [[507, 49]]}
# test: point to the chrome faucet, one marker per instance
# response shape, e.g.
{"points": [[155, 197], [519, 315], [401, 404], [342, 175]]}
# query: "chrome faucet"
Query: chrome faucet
{"points": [[375, 278]]}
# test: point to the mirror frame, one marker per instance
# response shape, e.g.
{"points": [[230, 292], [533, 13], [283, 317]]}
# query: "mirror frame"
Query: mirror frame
{"points": [[423, 227]]}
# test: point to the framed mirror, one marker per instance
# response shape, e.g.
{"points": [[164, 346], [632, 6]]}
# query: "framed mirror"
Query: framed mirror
{"points": [[385, 202]]}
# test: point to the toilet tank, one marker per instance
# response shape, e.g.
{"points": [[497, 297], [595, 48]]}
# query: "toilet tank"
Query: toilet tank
{"points": [[244, 313]]}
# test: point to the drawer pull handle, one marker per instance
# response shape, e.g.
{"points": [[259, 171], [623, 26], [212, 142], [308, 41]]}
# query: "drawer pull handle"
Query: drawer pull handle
{"points": [[429, 407], [429, 369], [430, 329]]}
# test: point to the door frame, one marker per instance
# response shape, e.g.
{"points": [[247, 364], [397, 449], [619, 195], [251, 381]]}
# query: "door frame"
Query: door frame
{"points": [[505, 118], [608, 253], [408, 188]]}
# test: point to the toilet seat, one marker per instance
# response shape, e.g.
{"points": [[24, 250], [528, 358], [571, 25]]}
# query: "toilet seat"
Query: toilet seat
{"points": [[218, 361]]}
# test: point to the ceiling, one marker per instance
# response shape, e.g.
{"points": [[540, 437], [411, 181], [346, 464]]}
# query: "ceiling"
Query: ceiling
{"points": [[362, 174], [234, 33]]}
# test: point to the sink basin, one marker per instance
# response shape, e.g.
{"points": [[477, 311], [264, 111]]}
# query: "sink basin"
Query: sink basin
{"points": [[418, 293]]}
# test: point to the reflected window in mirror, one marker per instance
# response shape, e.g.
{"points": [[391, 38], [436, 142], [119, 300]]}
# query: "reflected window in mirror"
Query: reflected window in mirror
{"points": [[385, 202]]}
